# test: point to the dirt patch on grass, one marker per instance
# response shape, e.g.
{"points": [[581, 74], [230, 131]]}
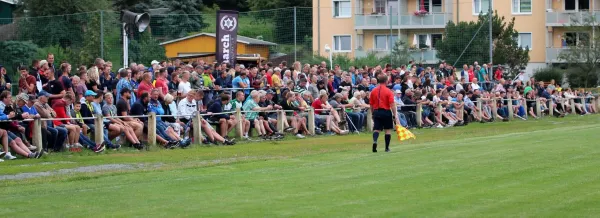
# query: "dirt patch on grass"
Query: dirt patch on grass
{"points": [[84, 169]]}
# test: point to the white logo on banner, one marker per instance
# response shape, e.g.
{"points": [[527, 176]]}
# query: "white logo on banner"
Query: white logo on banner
{"points": [[228, 23]]}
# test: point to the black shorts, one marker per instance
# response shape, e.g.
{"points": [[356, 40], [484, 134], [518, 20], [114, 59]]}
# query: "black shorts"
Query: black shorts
{"points": [[382, 119]]}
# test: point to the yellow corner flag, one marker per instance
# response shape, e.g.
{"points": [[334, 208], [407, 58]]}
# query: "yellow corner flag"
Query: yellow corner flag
{"points": [[404, 134]]}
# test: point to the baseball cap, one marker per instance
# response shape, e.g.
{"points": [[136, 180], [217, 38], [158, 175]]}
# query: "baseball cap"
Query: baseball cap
{"points": [[43, 93], [270, 92], [242, 66], [154, 62], [398, 92], [90, 93]]}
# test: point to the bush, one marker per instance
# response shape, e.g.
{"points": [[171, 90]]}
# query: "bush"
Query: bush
{"points": [[345, 62], [549, 73], [581, 79]]}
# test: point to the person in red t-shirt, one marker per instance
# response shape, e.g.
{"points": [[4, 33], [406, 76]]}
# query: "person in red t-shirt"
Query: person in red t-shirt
{"points": [[59, 106], [322, 108], [498, 73], [145, 85], [161, 82], [384, 111], [26, 82]]}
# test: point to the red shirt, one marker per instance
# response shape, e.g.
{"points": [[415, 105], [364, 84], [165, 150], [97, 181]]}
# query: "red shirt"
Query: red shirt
{"points": [[471, 75], [25, 82], [144, 87], [269, 80], [317, 106], [161, 84], [58, 106], [381, 98], [498, 74]]}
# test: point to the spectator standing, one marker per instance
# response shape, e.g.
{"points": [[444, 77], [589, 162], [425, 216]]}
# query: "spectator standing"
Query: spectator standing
{"points": [[27, 83], [5, 82], [125, 83], [184, 86], [145, 85], [241, 82]]}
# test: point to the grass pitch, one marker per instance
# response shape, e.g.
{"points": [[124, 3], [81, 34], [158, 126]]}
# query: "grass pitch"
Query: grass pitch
{"points": [[538, 168]]}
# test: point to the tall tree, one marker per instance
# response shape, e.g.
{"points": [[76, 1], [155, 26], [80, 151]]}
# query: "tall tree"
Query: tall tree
{"points": [[132, 5], [506, 49], [583, 52], [182, 18], [64, 30]]}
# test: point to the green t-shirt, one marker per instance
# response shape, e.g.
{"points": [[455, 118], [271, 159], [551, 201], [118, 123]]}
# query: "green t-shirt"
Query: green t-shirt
{"points": [[207, 81], [249, 106]]}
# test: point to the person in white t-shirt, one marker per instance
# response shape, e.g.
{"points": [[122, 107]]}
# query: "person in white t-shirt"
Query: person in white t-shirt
{"points": [[184, 85]]}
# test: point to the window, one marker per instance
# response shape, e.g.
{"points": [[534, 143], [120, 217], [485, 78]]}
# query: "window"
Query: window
{"points": [[435, 39], [342, 43], [575, 39], [342, 8], [481, 6], [521, 7], [380, 6], [434, 6], [382, 42], [524, 40], [577, 5], [422, 41]]}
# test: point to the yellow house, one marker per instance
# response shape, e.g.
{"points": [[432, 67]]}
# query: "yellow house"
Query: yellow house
{"points": [[204, 45], [356, 27]]}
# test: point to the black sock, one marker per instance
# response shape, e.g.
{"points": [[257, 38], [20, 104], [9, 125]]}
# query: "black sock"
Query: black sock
{"points": [[388, 138], [375, 137]]}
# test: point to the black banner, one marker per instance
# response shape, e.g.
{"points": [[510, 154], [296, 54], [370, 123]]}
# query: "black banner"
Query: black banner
{"points": [[227, 26]]}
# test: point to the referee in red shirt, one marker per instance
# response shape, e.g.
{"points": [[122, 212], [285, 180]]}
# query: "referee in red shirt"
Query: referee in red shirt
{"points": [[384, 111]]}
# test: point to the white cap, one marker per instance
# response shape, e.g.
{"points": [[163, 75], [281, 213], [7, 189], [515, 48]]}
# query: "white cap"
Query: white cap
{"points": [[154, 62], [242, 66], [398, 91]]}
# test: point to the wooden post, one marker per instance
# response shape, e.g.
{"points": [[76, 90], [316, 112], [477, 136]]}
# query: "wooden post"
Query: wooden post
{"points": [[419, 115], [239, 128], [494, 108], [280, 121], [550, 107], [480, 108], [538, 108], [593, 102], [37, 134], [197, 128], [152, 129], [99, 130], [526, 109], [311, 121], [370, 120], [597, 102], [511, 112], [439, 109], [572, 102]]}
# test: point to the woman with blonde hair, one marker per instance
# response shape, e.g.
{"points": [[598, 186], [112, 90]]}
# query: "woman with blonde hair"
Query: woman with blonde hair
{"points": [[93, 79]]}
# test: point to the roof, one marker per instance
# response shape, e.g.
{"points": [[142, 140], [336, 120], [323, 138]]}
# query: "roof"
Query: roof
{"points": [[12, 2], [240, 39]]}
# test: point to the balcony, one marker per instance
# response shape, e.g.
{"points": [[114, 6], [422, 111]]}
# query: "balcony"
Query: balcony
{"points": [[422, 56], [425, 56], [552, 55], [567, 18], [402, 21]]}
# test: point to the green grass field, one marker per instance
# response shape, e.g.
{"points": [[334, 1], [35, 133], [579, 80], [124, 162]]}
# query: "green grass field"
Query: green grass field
{"points": [[537, 168]]}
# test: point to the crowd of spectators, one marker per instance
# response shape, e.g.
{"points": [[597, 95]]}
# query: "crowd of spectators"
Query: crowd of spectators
{"points": [[176, 91]]}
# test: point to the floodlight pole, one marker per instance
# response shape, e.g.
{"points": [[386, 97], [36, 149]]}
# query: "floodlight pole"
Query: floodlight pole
{"points": [[125, 47]]}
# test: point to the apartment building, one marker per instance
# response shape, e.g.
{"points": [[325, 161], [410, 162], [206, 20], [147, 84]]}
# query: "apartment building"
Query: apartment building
{"points": [[356, 27]]}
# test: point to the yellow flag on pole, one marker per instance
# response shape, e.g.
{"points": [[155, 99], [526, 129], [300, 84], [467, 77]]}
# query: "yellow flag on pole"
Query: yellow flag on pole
{"points": [[404, 134]]}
